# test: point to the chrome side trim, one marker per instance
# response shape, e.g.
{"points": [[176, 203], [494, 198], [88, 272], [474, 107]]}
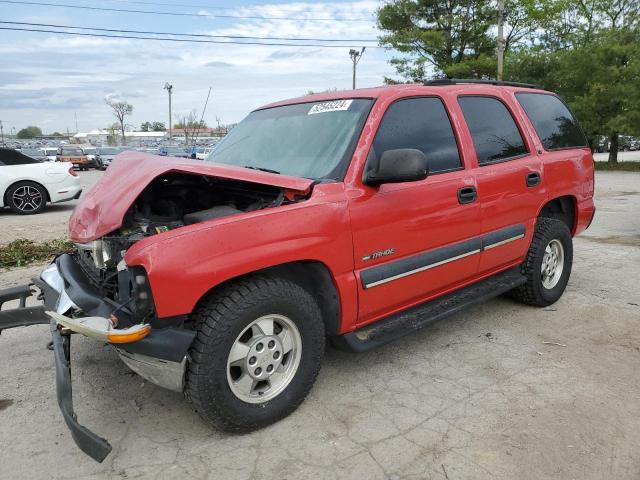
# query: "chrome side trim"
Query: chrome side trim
{"points": [[497, 244], [388, 272], [166, 374], [421, 269]]}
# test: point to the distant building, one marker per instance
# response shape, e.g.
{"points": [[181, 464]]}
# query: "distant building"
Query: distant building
{"points": [[93, 137]]}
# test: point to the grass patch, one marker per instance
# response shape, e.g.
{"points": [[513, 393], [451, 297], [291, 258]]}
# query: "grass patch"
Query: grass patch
{"points": [[620, 166], [22, 252]]}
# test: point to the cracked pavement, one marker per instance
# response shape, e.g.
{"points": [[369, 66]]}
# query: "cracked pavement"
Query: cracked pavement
{"points": [[477, 396]]}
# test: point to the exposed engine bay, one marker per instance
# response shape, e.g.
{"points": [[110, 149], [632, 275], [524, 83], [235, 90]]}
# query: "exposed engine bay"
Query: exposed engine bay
{"points": [[169, 202], [175, 200]]}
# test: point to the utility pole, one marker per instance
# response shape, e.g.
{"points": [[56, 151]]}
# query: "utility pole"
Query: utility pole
{"points": [[2, 132], [501, 42], [355, 58], [168, 87], [75, 115]]}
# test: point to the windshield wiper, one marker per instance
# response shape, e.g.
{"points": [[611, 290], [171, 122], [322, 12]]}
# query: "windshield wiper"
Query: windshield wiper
{"points": [[262, 169]]}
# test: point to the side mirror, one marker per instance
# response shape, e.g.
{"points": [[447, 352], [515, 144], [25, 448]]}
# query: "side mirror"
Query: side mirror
{"points": [[397, 166]]}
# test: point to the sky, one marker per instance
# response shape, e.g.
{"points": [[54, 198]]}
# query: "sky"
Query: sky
{"points": [[48, 80]]}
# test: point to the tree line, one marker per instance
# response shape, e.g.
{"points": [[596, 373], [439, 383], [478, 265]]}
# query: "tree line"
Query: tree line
{"points": [[588, 51]]}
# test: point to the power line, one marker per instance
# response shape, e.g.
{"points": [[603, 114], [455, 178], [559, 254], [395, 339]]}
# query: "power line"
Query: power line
{"points": [[208, 7], [183, 40], [202, 35], [184, 14]]}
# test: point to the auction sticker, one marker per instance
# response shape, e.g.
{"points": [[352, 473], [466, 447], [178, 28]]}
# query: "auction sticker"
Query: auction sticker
{"points": [[332, 106]]}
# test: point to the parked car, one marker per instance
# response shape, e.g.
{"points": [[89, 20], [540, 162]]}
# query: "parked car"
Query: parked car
{"points": [[50, 153], [93, 159], [75, 155], [203, 152], [173, 151], [34, 153], [106, 155], [27, 184], [360, 216]]}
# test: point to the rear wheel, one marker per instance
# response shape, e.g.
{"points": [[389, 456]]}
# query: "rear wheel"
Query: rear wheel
{"points": [[257, 352], [27, 198], [548, 264]]}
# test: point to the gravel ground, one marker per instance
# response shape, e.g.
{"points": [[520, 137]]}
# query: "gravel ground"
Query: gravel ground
{"points": [[478, 396]]}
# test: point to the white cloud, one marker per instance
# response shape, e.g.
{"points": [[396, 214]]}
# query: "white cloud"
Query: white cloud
{"points": [[46, 73]]}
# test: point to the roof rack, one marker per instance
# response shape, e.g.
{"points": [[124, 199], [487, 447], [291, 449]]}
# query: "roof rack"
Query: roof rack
{"points": [[455, 81]]}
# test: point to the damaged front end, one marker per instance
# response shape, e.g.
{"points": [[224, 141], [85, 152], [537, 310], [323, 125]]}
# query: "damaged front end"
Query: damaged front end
{"points": [[95, 293]]}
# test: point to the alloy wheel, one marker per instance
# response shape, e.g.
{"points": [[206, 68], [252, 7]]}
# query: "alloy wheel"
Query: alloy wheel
{"points": [[27, 198], [264, 358], [552, 264]]}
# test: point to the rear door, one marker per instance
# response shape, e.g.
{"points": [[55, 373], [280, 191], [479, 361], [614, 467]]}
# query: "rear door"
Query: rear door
{"points": [[413, 241], [510, 178]]}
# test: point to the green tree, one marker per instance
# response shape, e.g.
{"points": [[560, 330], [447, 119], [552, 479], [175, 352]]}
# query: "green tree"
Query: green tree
{"points": [[152, 127], [585, 50], [435, 33], [29, 132], [600, 81], [444, 37]]}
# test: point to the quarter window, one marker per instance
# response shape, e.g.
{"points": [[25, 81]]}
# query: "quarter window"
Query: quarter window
{"points": [[555, 125], [423, 124], [495, 134]]}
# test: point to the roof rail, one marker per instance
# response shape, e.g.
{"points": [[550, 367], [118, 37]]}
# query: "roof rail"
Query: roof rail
{"points": [[455, 81]]}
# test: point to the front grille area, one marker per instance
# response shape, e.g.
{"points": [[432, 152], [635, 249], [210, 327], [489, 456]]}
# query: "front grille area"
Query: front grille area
{"points": [[104, 281]]}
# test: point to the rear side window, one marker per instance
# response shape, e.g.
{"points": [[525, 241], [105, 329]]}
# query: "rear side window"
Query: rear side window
{"points": [[555, 125], [423, 124], [495, 134], [9, 157]]}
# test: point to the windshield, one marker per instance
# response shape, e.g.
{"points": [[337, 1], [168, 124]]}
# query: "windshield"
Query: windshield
{"points": [[50, 151], [71, 151], [311, 140]]}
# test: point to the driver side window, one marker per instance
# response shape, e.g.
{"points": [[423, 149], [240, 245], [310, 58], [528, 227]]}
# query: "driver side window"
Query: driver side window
{"points": [[422, 124]]}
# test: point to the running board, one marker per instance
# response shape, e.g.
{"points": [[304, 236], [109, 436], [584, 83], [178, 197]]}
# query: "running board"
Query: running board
{"points": [[403, 323]]}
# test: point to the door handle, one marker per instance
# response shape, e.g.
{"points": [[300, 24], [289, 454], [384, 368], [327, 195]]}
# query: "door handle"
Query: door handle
{"points": [[467, 195], [533, 179]]}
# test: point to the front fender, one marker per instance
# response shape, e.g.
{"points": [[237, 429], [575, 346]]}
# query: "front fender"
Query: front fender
{"points": [[182, 268]]}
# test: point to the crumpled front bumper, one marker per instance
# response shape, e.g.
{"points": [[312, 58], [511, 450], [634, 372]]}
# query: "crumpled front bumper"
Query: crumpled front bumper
{"points": [[160, 357]]}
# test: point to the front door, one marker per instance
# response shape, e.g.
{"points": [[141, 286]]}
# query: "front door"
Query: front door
{"points": [[415, 240]]}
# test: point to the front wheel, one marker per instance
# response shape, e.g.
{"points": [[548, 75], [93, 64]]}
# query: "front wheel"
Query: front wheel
{"points": [[547, 265], [257, 352]]}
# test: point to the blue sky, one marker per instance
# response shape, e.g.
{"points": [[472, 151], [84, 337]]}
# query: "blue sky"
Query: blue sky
{"points": [[45, 79]]}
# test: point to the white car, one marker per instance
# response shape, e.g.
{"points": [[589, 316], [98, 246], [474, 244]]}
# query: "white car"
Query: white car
{"points": [[50, 152], [26, 185], [202, 153]]}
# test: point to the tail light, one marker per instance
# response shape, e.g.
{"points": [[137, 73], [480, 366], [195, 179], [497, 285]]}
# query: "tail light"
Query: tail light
{"points": [[72, 172]]}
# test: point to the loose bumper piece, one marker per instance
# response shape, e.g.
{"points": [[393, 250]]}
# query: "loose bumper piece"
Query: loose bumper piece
{"points": [[101, 328], [159, 355], [90, 443]]}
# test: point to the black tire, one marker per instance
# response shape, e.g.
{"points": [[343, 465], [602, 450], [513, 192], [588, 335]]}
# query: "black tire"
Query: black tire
{"points": [[534, 292], [220, 319], [34, 203]]}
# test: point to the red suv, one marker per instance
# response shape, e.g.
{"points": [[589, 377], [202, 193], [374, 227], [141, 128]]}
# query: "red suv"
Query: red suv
{"points": [[357, 216]]}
